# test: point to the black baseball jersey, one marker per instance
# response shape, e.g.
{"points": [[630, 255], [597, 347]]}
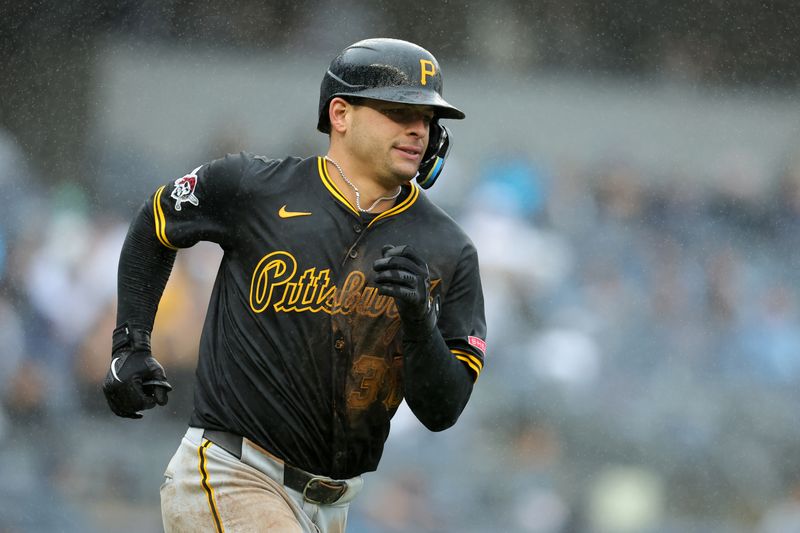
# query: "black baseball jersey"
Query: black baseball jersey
{"points": [[299, 352]]}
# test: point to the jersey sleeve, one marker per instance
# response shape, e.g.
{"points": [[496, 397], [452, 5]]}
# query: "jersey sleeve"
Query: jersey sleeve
{"points": [[196, 206], [461, 320]]}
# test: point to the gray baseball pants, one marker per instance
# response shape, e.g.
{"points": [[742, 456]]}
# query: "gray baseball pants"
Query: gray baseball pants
{"points": [[206, 488]]}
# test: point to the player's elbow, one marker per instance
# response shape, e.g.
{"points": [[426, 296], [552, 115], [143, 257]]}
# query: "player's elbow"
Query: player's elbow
{"points": [[438, 407], [439, 424], [439, 417]]}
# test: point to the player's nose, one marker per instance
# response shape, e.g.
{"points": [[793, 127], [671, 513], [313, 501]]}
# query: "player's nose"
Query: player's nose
{"points": [[418, 126]]}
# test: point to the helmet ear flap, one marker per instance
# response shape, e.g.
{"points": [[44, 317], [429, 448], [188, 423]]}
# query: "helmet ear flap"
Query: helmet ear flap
{"points": [[434, 157]]}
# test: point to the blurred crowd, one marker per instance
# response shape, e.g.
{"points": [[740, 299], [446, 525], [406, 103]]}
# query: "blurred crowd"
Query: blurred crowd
{"points": [[644, 333]]}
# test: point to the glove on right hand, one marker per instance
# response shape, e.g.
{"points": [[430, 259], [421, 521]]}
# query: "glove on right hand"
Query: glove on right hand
{"points": [[135, 381]]}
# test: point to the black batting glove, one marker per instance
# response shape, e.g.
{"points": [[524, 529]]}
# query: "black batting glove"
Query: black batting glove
{"points": [[135, 381], [404, 275]]}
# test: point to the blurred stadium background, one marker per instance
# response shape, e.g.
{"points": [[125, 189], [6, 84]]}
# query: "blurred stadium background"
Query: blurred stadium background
{"points": [[629, 172]]}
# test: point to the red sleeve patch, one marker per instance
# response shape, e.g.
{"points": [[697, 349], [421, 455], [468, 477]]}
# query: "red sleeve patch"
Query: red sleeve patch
{"points": [[478, 343]]}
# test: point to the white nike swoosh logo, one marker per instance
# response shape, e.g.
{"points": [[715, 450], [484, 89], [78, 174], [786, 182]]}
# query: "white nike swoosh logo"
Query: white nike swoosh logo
{"points": [[114, 370]]}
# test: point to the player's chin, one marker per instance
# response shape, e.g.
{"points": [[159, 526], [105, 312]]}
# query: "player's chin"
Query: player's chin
{"points": [[405, 169], [404, 175]]}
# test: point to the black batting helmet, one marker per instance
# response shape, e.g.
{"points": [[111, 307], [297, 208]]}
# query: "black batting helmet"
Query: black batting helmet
{"points": [[385, 69]]}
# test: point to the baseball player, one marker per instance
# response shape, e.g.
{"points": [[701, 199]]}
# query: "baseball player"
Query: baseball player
{"points": [[342, 291]]}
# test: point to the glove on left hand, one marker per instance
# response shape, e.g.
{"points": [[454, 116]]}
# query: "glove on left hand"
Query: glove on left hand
{"points": [[404, 275]]}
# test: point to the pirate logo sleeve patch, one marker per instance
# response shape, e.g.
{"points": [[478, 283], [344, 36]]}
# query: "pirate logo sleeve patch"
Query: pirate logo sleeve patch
{"points": [[184, 190]]}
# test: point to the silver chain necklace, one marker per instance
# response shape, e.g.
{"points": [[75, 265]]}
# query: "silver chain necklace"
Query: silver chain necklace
{"points": [[358, 194]]}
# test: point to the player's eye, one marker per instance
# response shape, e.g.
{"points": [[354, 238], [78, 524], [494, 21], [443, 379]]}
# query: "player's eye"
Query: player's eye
{"points": [[396, 113], [404, 115]]}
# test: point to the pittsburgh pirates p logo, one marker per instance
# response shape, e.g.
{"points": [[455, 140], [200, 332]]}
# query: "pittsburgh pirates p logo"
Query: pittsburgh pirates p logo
{"points": [[426, 69]]}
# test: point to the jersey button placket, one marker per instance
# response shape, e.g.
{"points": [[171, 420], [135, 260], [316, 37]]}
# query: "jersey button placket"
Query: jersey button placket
{"points": [[352, 252], [339, 440]]}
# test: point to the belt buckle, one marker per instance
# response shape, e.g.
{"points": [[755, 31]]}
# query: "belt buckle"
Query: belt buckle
{"points": [[321, 480]]}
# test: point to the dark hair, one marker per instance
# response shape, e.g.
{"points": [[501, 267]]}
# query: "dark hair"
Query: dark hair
{"points": [[353, 100]]}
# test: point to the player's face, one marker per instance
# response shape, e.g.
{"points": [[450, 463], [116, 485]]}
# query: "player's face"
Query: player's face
{"points": [[392, 136]]}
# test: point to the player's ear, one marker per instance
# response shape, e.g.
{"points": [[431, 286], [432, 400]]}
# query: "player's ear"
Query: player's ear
{"points": [[338, 111]]}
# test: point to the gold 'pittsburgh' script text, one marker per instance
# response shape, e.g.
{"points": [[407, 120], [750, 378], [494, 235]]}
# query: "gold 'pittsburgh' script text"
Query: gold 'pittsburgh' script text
{"points": [[275, 283]]}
